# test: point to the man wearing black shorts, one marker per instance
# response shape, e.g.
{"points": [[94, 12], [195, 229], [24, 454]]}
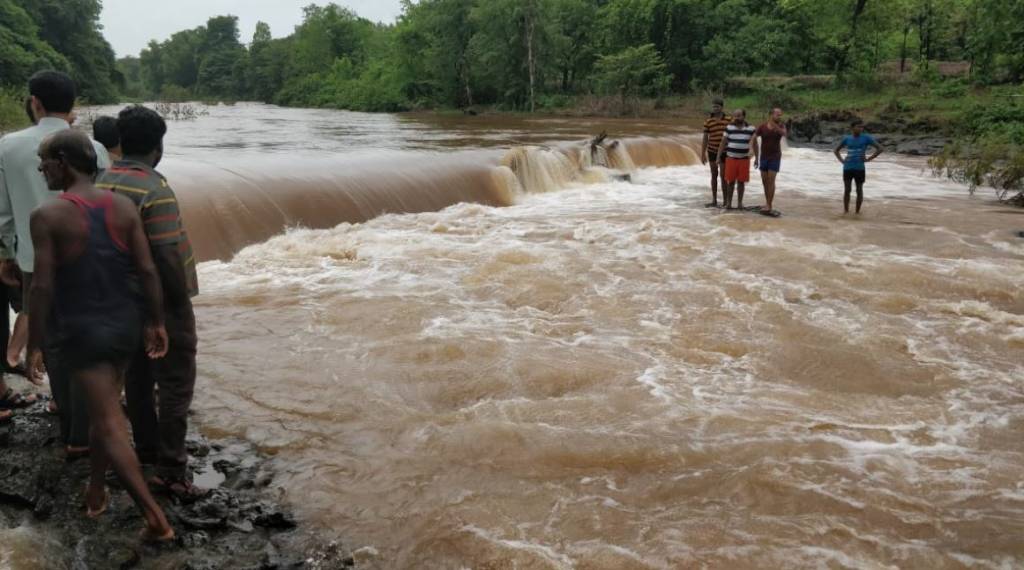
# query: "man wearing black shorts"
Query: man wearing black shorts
{"points": [[854, 169], [714, 130]]}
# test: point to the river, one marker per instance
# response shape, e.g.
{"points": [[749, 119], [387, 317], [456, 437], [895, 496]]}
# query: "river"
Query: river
{"points": [[586, 373]]}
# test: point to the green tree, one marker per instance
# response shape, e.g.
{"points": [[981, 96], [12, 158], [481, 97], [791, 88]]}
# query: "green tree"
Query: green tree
{"points": [[633, 72], [22, 52]]}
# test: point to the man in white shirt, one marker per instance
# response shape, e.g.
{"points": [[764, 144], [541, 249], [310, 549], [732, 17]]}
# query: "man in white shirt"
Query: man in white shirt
{"points": [[22, 189]]}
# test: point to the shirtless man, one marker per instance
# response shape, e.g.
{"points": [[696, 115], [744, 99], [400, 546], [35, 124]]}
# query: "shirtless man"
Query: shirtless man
{"points": [[91, 256]]}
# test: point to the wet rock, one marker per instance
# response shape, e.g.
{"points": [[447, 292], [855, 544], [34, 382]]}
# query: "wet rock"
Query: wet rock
{"points": [[99, 553], [921, 147], [240, 524]]}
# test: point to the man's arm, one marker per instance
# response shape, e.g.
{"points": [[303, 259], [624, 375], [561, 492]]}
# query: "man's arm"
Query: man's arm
{"points": [[754, 147], [840, 147], [160, 219], [878, 150], [6, 217], [704, 147], [41, 295], [156, 334]]}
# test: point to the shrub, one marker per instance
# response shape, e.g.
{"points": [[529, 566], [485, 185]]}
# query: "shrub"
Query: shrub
{"points": [[12, 110]]}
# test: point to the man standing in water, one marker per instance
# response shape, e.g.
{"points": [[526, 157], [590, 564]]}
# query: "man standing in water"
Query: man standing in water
{"points": [[51, 102], [91, 257], [159, 434], [714, 130], [735, 151], [854, 169], [768, 156]]}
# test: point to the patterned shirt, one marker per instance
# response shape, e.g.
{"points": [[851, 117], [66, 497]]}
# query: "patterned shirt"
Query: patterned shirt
{"points": [[714, 129], [158, 207], [737, 141]]}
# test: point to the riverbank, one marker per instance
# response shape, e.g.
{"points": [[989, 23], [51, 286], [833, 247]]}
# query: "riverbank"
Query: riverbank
{"points": [[242, 523]]}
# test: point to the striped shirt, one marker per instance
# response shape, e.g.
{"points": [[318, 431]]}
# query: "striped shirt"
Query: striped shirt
{"points": [[737, 141], [714, 129], [158, 207]]}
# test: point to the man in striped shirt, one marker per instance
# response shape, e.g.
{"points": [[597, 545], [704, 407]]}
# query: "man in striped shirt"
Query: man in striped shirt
{"points": [[714, 129], [736, 152], [159, 434]]}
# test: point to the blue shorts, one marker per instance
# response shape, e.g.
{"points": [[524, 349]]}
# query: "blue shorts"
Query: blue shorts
{"points": [[770, 165]]}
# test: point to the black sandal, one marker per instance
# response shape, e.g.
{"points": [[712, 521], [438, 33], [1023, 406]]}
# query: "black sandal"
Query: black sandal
{"points": [[12, 401], [179, 488]]}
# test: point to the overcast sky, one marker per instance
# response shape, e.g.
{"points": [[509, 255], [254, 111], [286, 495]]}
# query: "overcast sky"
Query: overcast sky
{"points": [[129, 24]]}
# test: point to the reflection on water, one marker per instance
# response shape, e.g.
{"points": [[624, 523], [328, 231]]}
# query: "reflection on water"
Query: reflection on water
{"points": [[611, 376]]}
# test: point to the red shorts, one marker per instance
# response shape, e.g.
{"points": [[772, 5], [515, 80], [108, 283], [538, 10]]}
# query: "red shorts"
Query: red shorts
{"points": [[737, 169]]}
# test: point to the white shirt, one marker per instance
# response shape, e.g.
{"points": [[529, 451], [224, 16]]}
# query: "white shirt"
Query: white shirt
{"points": [[23, 188]]}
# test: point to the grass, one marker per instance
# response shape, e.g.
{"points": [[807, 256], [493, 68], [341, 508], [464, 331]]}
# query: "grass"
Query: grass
{"points": [[12, 110]]}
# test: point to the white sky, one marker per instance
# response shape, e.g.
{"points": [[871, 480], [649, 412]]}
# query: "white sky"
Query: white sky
{"points": [[129, 24]]}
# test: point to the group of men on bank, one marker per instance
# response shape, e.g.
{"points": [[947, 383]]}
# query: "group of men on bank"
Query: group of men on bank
{"points": [[95, 256], [729, 142]]}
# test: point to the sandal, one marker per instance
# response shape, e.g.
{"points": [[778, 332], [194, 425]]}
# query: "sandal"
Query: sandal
{"points": [[95, 514], [6, 416], [12, 401], [17, 369], [147, 535], [177, 487], [72, 452], [52, 409]]}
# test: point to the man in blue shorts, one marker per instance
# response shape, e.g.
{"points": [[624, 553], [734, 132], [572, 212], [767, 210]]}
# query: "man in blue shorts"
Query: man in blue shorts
{"points": [[856, 145]]}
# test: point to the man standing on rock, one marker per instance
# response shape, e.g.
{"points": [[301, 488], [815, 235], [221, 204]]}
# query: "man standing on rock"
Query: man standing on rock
{"points": [[91, 262], [768, 156], [22, 189], [854, 169], [714, 130], [735, 151], [159, 434]]}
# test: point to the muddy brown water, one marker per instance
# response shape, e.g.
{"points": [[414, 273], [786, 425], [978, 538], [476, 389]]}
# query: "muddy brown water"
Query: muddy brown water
{"points": [[546, 369]]}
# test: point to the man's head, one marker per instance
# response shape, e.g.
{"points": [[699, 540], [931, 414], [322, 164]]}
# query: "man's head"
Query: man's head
{"points": [[776, 115], [67, 157], [857, 127], [104, 130], [739, 116], [142, 134], [717, 105], [52, 93]]}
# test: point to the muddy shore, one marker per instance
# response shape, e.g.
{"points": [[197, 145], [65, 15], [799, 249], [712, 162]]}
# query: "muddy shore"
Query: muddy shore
{"points": [[243, 523]]}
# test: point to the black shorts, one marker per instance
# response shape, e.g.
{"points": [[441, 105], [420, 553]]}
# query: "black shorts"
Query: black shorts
{"points": [[713, 155], [854, 175]]}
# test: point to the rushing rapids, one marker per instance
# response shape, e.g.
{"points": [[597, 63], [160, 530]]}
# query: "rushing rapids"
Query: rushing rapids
{"points": [[599, 374]]}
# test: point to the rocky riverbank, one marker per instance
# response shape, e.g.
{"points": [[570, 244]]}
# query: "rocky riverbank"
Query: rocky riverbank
{"points": [[896, 133], [241, 524]]}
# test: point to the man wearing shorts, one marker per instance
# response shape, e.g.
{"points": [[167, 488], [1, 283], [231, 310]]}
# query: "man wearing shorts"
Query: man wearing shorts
{"points": [[714, 130], [768, 155], [735, 150], [854, 170]]}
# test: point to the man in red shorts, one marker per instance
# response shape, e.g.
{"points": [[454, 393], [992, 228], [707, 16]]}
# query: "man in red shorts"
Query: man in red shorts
{"points": [[736, 152]]}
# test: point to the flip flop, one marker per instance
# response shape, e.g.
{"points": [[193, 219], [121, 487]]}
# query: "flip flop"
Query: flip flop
{"points": [[91, 514], [72, 453], [771, 213], [712, 205], [148, 536], [17, 369], [178, 488], [52, 409], [6, 416], [12, 401]]}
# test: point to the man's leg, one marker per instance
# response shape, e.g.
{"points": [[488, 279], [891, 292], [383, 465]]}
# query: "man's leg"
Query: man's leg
{"points": [[5, 328], [175, 375], [768, 179], [18, 340], [847, 183], [860, 192], [109, 438], [741, 186], [139, 393], [714, 182]]}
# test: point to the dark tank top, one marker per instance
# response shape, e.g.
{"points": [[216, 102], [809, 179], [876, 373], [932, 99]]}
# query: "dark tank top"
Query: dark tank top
{"points": [[96, 306]]}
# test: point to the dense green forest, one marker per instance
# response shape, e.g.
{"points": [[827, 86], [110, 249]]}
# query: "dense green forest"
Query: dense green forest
{"points": [[58, 34], [525, 54]]}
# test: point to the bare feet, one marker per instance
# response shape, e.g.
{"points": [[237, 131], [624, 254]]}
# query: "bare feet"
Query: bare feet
{"points": [[157, 535], [96, 502]]}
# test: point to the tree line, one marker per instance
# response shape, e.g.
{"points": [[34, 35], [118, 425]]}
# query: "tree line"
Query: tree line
{"points": [[525, 54], [58, 34]]}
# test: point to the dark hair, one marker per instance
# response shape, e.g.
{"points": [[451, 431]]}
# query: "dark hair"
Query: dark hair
{"points": [[55, 90], [104, 130], [73, 147], [142, 130], [28, 110], [856, 123], [717, 101]]}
